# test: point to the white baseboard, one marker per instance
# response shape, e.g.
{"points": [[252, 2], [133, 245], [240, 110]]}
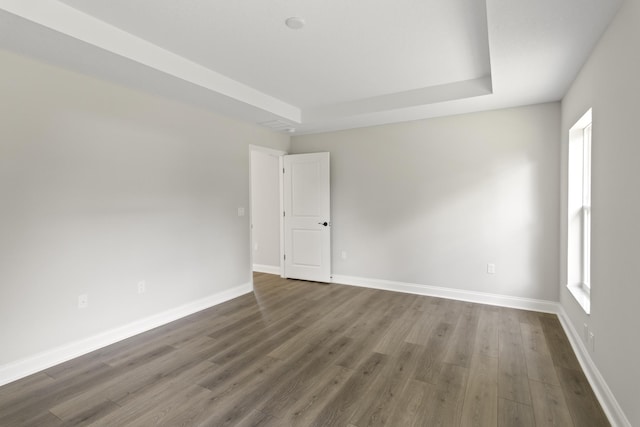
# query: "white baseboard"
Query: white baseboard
{"points": [[457, 294], [38, 362], [610, 405], [269, 269]]}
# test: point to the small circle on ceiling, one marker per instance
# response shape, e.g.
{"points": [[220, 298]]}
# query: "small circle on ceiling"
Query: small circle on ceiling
{"points": [[295, 22]]}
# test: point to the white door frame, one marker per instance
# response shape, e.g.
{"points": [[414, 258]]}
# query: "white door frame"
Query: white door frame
{"points": [[280, 155]]}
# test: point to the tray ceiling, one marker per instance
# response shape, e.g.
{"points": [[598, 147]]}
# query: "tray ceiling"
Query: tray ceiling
{"points": [[354, 63]]}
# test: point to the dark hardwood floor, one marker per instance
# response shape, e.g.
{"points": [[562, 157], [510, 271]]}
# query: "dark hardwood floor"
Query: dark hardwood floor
{"points": [[306, 354]]}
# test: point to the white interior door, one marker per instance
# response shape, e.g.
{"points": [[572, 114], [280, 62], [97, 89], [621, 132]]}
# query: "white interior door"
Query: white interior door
{"points": [[307, 220]]}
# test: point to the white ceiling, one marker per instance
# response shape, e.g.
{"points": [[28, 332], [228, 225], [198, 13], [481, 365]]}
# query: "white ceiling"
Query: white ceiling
{"points": [[355, 63]]}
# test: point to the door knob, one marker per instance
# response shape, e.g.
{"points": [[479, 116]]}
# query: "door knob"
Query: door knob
{"points": [[324, 223]]}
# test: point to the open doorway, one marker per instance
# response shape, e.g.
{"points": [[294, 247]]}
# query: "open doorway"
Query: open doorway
{"points": [[266, 209], [298, 245]]}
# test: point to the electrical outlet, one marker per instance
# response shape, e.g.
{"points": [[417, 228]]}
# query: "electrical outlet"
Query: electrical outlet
{"points": [[344, 254], [255, 246], [491, 269], [83, 301], [142, 287], [240, 211]]}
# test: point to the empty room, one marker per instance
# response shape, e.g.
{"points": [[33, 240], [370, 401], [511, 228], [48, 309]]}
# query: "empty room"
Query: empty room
{"points": [[302, 213]]}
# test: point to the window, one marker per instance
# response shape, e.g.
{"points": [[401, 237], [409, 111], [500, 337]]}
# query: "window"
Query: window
{"points": [[586, 208], [579, 209]]}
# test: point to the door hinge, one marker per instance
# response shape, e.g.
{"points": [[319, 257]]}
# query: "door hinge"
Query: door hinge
{"points": [[284, 213], [285, 257], [282, 170]]}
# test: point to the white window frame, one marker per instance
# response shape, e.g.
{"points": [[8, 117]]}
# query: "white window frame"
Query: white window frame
{"points": [[586, 208], [580, 212]]}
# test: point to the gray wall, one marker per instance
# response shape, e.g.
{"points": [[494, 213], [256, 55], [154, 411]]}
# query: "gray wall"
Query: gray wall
{"points": [[609, 83], [432, 202], [265, 209], [102, 186]]}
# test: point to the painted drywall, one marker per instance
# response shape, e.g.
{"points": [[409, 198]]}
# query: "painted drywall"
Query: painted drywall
{"points": [[432, 202], [265, 209], [609, 83], [101, 187]]}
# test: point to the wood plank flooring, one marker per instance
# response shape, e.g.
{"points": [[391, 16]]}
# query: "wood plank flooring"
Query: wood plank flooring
{"points": [[296, 353]]}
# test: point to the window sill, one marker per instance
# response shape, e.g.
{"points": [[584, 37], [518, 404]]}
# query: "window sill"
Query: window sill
{"points": [[582, 296]]}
